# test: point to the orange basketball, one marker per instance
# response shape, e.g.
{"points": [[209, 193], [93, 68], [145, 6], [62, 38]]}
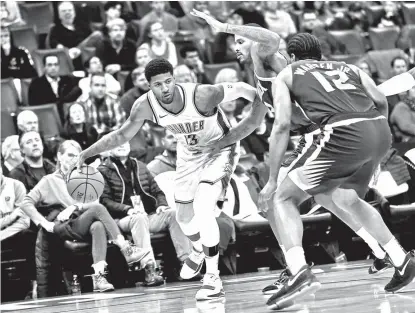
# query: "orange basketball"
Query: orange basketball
{"points": [[85, 186]]}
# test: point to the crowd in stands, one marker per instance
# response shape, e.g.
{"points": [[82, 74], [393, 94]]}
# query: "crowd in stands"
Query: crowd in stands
{"points": [[66, 85]]}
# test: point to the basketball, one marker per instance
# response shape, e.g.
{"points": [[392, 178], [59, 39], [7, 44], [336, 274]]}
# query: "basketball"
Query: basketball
{"points": [[85, 186]]}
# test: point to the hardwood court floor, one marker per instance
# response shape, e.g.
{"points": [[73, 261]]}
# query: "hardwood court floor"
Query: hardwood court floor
{"points": [[346, 288]]}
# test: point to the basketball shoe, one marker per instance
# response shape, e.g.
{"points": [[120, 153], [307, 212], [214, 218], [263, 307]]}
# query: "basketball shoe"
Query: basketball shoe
{"points": [[380, 265], [192, 265], [212, 287], [404, 274], [300, 284], [277, 285], [100, 283]]}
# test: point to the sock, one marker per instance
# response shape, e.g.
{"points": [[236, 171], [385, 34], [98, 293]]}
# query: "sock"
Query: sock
{"points": [[372, 243], [295, 259], [212, 259], [99, 267], [120, 241], [395, 252], [191, 230]]}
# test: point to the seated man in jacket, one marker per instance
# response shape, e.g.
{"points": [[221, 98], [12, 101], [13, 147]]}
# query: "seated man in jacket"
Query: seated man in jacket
{"points": [[134, 199]]}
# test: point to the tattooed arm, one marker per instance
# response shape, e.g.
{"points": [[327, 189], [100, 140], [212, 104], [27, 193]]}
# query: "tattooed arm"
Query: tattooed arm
{"points": [[140, 112]]}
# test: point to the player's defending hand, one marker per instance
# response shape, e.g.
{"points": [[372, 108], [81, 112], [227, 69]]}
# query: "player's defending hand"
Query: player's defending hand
{"points": [[214, 23], [265, 195], [80, 162]]}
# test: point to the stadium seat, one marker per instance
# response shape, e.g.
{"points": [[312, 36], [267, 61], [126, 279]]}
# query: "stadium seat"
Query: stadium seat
{"points": [[352, 39], [384, 38], [8, 125], [382, 59], [374, 13], [87, 53], [39, 15], [122, 77], [25, 83], [9, 97], [348, 58], [411, 30], [25, 37], [211, 70], [66, 66], [408, 10], [47, 112]]}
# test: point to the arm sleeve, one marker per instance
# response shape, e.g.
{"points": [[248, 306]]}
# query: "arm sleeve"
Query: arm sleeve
{"points": [[33, 198]]}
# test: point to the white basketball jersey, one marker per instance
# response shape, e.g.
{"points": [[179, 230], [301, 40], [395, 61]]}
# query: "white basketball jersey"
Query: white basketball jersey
{"points": [[191, 128]]}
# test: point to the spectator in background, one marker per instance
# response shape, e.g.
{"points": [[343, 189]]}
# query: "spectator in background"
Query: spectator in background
{"points": [[27, 121], [10, 14], [117, 52], [399, 65], [391, 15], [183, 74], [69, 32], [114, 10], [94, 66], [103, 110], [34, 166], [12, 218], [16, 62], [199, 28], [278, 20], [159, 14], [142, 57], [77, 129], [166, 161], [12, 156], [52, 87], [134, 199], [192, 60], [250, 14], [158, 43], [141, 86], [365, 67], [78, 221], [322, 10], [402, 118], [329, 44]]}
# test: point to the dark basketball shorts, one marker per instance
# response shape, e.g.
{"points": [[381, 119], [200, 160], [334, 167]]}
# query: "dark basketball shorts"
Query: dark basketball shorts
{"points": [[344, 154]]}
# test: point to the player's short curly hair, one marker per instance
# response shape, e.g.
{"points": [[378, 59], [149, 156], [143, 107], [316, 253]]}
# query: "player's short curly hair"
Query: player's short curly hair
{"points": [[304, 46], [157, 67]]}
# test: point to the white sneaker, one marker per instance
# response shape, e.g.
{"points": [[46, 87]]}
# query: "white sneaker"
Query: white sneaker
{"points": [[192, 265], [212, 288]]}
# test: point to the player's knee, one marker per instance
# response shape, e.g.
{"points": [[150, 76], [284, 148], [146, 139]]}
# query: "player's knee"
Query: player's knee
{"points": [[345, 197], [282, 199], [97, 227]]}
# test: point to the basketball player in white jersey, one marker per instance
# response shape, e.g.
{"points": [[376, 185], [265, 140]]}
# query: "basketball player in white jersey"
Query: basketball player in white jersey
{"points": [[257, 48], [191, 113]]}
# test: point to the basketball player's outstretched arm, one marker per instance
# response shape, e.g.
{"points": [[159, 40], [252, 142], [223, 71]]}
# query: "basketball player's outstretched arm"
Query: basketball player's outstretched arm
{"points": [[268, 40], [398, 84], [280, 134], [140, 112]]}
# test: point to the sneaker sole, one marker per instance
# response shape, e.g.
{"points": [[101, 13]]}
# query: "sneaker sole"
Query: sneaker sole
{"points": [[104, 290], [218, 295], [138, 260], [288, 301]]}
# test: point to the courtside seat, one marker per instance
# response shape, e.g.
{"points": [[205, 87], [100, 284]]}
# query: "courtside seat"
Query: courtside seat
{"points": [[384, 38], [408, 10], [402, 209]]}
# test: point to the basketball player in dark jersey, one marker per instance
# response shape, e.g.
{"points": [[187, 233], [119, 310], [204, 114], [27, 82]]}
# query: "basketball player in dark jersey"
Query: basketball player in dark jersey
{"points": [[336, 169], [258, 49]]}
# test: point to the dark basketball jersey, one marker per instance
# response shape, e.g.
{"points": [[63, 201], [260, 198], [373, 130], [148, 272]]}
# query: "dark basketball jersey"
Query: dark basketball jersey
{"points": [[326, 88], [264, 91]]}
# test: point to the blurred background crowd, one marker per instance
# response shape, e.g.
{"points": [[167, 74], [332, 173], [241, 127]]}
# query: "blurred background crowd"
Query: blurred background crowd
{"points": [[72, 71]]}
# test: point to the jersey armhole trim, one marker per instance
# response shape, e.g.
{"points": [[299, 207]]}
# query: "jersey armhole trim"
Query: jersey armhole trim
{"points": [[152, 109], [197, 110]]}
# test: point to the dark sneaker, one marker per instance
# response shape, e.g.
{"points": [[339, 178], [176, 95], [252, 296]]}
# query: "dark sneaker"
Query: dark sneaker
{"points": [[100, 283], [277, 285], [404, 274], [380, 265], [303, 283], [152, 278]]}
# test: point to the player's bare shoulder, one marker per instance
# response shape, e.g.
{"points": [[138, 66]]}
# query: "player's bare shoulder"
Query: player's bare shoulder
{"points": [[141, 109], [209, 94]]}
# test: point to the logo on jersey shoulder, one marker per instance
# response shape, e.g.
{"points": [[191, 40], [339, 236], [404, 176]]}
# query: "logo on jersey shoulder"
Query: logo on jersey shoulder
{"points": [[186, 128]]}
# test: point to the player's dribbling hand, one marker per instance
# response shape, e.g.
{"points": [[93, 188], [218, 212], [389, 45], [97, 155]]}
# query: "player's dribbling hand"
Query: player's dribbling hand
{"points": [[214, 23], [265, 195]]}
